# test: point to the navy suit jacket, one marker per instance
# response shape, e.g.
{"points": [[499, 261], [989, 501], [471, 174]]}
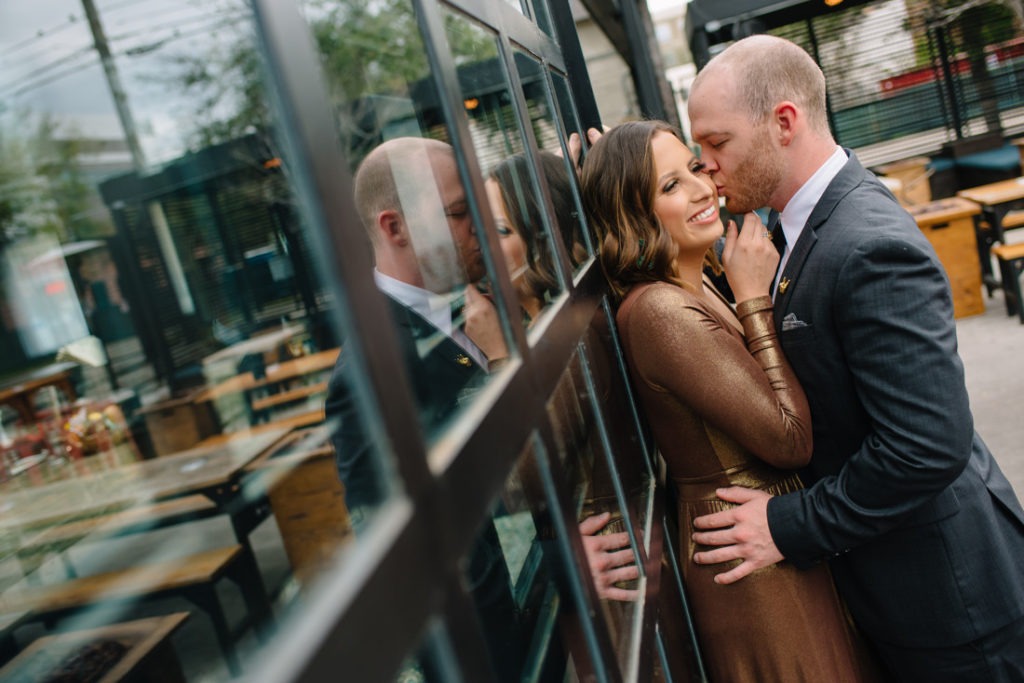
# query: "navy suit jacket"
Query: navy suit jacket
{"points": [[924, 533], [440, 372]]}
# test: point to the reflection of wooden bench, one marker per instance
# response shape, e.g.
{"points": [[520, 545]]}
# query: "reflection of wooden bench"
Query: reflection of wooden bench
{"points": [[147, 653], [262, 405], [308, 503], [57, 539], [193, 578]]}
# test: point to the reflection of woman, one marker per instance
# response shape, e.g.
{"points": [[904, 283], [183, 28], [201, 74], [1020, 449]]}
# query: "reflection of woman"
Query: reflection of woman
{"points": [[518, 214], [722, 401]]}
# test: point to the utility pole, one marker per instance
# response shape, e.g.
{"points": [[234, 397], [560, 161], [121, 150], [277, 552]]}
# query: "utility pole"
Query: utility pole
{"points": [[114, 81], [175, 272]]}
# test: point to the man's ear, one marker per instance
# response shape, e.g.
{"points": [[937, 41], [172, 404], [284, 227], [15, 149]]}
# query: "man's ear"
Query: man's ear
{"points": [[391, 225], [786, 117]]}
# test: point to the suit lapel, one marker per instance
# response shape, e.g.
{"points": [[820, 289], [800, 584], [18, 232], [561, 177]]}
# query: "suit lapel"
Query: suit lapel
{"points": [[848, 178], [430, 341]]}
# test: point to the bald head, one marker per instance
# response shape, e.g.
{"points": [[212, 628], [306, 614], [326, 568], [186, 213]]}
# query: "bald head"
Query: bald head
{"points": [[765, 70], [375, 187]]}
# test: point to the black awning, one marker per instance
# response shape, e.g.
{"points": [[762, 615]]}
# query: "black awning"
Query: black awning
{"points": [[713, 22]]}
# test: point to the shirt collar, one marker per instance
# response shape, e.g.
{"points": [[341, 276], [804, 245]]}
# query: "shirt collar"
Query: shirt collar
{"points": [[437, 308], [794, 216]]}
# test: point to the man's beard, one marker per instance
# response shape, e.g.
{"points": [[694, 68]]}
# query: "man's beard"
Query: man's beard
{"points": [[762, 172]]}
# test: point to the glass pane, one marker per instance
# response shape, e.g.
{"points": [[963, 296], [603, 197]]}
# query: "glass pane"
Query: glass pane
{"points": [[518, 4], [603, 521], [611, 394], [168, 339], [431, 660], [510, 575], [542, 15], [559, 175], [424, 249], [516, 204], [570, 123]]}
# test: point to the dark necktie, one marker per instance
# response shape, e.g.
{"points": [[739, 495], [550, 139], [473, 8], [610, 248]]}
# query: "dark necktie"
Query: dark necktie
{"points": [[779, 238]]}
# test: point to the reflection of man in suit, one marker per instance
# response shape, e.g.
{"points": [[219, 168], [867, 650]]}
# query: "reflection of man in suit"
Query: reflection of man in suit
{"points": [[427, 258], [924, 533]]}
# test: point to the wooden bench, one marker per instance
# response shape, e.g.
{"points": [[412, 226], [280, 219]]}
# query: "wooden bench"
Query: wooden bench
{"points": [[192, 577], [308, 502], [146, 653], [57, 539], [262, 405], [1011, 264]]}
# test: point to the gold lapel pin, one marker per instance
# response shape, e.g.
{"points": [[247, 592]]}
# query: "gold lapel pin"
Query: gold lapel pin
{"points": [[783, 284], [463, 360]]}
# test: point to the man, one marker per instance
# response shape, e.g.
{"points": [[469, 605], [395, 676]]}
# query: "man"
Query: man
{"points": [[924, 533], [413, 205]]}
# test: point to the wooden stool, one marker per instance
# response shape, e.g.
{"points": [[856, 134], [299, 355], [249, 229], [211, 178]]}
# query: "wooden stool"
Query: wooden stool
{"points": [[192, 578], [1011, 263], [147, 653]]}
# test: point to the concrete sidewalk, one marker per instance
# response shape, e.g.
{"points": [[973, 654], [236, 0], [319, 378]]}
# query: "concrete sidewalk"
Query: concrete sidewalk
{"points": [[992, 348]]}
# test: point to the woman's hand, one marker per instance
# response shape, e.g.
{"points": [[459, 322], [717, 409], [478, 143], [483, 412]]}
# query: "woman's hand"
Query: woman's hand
{"points": [[483, 326], [610, 558], [749, 258]]}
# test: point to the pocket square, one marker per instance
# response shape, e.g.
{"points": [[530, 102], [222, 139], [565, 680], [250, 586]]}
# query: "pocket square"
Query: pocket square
{"points": [[791, 322]]}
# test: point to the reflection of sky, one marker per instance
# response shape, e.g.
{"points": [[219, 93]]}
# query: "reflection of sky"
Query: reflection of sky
{"points": [[48, 65]]}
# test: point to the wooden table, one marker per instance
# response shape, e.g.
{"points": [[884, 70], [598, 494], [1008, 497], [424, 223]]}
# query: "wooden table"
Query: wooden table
{"points": [[260, 343], [949, 226], [19, 391], [275, 373], [148, 652], [996, 200], [212, 470]]}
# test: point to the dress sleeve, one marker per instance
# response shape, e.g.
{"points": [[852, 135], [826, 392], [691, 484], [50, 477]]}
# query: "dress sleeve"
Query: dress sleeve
{"points": [[748, 391]]}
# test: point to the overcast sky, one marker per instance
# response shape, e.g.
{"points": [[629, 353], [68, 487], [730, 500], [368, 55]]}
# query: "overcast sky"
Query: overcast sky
{"points": [[48, 64]]}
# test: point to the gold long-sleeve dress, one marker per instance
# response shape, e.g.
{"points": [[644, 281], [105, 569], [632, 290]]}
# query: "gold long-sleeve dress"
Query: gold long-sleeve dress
{"points": [[716, 398]]}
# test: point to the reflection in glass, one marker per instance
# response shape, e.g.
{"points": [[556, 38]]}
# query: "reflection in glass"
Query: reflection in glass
{"points": [[530, 627], [611, 396], [169, 345], [600, 514], [424, 253], [512, 190], [520, 218], [569, 123]]}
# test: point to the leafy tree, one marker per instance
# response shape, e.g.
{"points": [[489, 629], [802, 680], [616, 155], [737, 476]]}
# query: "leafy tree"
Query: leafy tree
{"points": [[368, 50]]}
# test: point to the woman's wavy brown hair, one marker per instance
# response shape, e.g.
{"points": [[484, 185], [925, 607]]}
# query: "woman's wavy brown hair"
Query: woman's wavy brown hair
{"points": [[619, 188]]}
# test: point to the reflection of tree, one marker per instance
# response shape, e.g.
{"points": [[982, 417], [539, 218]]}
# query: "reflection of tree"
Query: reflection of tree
{"points": [[42, 190], [368, 50]]}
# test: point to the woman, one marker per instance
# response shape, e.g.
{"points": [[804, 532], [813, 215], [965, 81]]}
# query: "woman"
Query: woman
{"points": [[519, 219], [722, 401]]}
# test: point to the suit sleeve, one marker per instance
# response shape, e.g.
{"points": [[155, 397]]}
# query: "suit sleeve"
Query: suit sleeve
{"points": [[352, 449], [747, 391], [893, 315]]}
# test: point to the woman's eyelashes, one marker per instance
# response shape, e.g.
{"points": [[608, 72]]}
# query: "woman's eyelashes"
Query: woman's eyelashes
{"points": [[698, 167]]}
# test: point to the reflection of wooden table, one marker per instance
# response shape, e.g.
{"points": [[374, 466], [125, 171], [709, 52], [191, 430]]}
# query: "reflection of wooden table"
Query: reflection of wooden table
{"points": [[261, 343], [19, 391], [996, 200], [148, 656], [275, 374], [211, 470], [948, 224]]}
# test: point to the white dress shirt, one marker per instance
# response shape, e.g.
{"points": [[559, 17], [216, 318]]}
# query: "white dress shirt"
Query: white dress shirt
{"points": [[794, 216], [435, 308]]}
